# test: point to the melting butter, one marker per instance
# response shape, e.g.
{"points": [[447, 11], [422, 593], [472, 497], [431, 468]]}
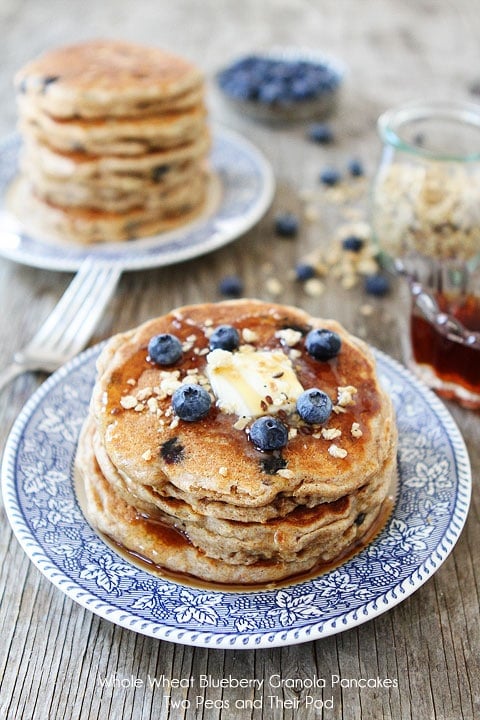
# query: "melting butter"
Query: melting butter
{"points": [[253, 382]]}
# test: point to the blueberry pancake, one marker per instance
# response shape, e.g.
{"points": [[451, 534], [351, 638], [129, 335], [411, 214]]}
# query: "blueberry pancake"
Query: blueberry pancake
{"points": [[117, 192], [157, 212], [101, 78], [73, 167], [113, 135], [115, 143], [239, 442]]}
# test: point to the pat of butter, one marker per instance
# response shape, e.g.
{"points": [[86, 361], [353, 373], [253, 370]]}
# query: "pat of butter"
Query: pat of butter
{"points": [[253, 382]]}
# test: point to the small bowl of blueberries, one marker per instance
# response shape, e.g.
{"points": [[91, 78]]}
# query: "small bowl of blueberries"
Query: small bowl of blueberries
{"points": [[282, 84]]}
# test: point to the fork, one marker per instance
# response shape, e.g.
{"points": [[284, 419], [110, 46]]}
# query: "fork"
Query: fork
{"points": [[71, 323]]}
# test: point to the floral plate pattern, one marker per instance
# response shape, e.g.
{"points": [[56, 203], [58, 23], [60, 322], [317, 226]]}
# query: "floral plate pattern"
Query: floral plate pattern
{"points": [[430, 511], [241, 191]]}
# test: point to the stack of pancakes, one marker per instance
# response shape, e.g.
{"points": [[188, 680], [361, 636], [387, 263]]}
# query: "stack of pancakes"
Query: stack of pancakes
{"points": [[197, 497], [114, 142]]}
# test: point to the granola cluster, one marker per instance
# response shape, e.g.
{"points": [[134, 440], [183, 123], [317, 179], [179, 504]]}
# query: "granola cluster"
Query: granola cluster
{"points": [[430, 209]]}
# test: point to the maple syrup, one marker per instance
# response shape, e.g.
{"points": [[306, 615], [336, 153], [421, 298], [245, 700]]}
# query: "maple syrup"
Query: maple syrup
{"points": [[454, 362]]}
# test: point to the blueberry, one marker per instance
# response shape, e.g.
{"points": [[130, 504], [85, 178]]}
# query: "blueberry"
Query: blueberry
{"points": [[271, 92], [320, 133], [330, 176], [159, 172], [352, 243], [302, 89], [191, 402], [378, 285], [287, 225], [231, 286], [355, 168], [165, 349], [314, 406], [268, 433], [225, 337], [323, 344], [304, 271], [271, 80]]}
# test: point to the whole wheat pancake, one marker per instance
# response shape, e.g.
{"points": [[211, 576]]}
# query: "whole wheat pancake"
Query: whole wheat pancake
{"points": [[117, 192], [115, 143], [86, 225], [320, 532], [113, 136], [166, 199], [244, 514], [108, 78], [81, 166]]}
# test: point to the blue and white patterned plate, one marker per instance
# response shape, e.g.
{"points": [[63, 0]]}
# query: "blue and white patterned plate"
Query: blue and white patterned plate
{"points": [[431, 508], [241, 191]]}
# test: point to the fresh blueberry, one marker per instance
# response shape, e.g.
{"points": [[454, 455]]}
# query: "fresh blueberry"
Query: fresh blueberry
{"points": [[355, 168], [330, 176], [352, 243], [320, 133], [302, 88], [231, 286], [287, 225], [304, 271], [268, 433], [271, 92], [165, 349], [377, 284], [271, 80], [159, 172], [314, 406], [323, 344], [225, 337], [191, 402]]}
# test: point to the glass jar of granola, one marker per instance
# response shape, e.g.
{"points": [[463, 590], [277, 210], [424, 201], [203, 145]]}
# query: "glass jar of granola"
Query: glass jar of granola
{"points": [[426, 219]]}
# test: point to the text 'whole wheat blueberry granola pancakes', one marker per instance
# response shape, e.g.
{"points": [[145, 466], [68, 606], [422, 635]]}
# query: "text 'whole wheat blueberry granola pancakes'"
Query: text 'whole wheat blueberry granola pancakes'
{"points": [[114, 142], [240, 442]]}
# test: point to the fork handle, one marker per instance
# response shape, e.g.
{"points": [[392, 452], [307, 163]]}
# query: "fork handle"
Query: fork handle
{"points": [[10, 373]]}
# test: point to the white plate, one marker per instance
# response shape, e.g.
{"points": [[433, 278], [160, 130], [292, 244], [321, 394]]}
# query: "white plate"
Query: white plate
{"points": [[431, 508], [241, 191]]}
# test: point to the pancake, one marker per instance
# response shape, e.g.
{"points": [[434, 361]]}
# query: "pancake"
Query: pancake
{"points": [[166, 198], [88, 225], [113, 136], [81, 166], [115, 143], [114, 193], [242, 515], [101, 78]]}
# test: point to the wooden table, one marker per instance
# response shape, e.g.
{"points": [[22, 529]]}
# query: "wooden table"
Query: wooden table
{"points": [[54, 654]]}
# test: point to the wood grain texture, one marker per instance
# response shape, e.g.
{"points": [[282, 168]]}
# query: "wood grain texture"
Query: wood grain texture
{"points": [[54, 655]]}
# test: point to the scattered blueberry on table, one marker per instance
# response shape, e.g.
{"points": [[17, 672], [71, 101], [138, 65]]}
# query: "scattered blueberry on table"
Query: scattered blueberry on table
{"points": [[304, 271], [231, 286], [287, 225], [320, 133], [355, 167], [330, 176], [378, 285], [353, 243]]}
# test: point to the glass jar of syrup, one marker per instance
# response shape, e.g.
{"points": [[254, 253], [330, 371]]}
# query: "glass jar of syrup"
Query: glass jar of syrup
{"points": [[426, 220]]}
